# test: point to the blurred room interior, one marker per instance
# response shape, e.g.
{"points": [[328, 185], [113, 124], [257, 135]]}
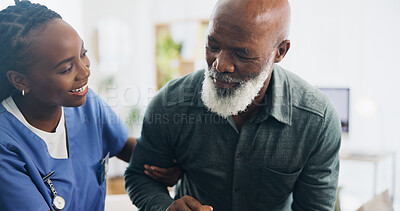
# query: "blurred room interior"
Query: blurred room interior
{"points": [[346, 48]]}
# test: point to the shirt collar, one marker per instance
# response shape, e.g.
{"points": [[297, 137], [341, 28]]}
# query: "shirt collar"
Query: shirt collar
{"points": [[277, 101], [278, 98]]}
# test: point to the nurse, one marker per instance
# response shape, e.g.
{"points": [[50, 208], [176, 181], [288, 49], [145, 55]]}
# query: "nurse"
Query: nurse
{"points": [[56, 135]]}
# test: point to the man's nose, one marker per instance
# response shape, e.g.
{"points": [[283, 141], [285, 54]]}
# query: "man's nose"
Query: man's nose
{"points": [[223, 62]]}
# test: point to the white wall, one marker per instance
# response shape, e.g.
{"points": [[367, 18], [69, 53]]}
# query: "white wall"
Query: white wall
{"points": [[352, 44], [70, 10]]}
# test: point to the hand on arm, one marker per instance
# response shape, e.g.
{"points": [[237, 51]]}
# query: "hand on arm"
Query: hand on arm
{"points": [[188, 203], [168, 176]]}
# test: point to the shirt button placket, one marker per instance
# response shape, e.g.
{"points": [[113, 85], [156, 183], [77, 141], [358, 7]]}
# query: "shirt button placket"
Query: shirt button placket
{"points": [[238, 173]]}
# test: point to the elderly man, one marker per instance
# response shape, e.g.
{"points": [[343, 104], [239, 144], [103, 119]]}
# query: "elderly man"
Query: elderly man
{"points": [[248, 134]]}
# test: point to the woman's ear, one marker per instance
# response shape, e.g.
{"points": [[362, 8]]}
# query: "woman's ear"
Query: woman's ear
{"points": [[18, 80], [283, 48]]}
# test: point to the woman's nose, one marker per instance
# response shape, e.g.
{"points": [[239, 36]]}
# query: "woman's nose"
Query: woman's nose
{"points": [[84, 71]]}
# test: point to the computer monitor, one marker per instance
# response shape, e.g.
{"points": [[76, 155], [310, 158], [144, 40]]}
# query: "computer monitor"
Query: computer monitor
{"points": [[340, 98]]}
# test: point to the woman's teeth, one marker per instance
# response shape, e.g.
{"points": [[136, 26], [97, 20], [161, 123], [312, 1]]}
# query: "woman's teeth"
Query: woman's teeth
{"points": [[83, 88]]}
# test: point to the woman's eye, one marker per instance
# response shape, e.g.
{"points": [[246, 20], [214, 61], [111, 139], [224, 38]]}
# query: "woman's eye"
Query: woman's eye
{"points": [[67, 70], [84, 53]]}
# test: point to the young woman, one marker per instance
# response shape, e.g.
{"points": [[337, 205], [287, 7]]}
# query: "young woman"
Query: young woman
{"points": [[55, 133]]}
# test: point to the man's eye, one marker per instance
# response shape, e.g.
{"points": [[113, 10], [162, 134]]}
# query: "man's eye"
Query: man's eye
{"points": [[240, 56], [243, 57]]}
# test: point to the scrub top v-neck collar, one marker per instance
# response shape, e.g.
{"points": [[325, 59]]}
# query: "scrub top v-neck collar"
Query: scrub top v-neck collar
{"points": [[56, 142]]}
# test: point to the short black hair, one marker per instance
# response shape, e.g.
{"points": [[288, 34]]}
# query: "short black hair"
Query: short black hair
{"points": [[16, 23]]}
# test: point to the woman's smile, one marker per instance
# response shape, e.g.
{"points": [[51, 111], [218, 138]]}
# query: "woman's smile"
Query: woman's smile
{"points": [[82, 91]]}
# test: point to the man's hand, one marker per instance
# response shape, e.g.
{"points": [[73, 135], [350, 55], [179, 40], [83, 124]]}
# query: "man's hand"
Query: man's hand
{"points": [[168, 176], [188, 203]]}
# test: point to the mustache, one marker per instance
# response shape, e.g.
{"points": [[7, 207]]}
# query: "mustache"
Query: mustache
{"points": [[224, 76]]}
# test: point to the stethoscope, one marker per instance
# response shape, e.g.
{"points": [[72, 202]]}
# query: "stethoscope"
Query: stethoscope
{"points": [[58, 201]]}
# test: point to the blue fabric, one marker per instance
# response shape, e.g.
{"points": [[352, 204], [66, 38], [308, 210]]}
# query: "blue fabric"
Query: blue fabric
{"points": [[284, 158], [93, 130]]}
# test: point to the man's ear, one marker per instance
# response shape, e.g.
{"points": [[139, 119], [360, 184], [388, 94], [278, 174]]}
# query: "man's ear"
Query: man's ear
{"points": [[18, 80], [283, 48]]}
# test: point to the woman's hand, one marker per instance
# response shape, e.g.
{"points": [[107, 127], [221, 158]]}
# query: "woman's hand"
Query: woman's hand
{"points": [[168, 176]]}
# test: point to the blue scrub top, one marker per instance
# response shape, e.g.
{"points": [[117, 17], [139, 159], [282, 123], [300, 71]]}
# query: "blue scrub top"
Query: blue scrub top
{"points": [[93, 130]]}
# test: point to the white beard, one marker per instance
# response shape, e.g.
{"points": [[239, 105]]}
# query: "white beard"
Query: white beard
{"points": [[238, 98]]}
